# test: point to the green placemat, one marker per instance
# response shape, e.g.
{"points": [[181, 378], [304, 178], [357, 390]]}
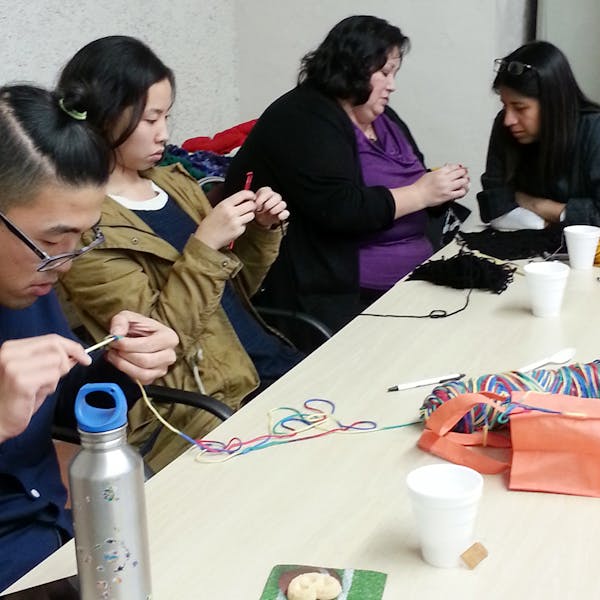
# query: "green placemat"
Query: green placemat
{"points": [[356, 584]]}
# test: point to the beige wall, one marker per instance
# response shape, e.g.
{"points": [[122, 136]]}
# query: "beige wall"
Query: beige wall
{"points": [[574, 27]]}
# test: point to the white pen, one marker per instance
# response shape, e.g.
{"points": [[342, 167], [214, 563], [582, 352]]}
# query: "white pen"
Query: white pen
{"points": [[424, 382]]}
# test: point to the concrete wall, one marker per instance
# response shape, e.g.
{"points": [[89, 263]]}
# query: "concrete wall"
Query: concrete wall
{"points": [[196, 39]]}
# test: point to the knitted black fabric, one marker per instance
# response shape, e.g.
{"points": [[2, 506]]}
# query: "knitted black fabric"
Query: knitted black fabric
{"points": [[465, 270], [513, 245]]}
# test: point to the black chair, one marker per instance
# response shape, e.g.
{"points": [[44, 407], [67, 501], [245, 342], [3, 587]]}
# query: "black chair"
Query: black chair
{"points": [[160, 394], [68, 432], [304, 331], [195, 399], [212, 186]]}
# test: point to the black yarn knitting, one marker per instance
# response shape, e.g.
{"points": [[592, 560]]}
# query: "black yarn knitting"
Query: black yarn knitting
{"points": [[513, 245], [465, 270]]}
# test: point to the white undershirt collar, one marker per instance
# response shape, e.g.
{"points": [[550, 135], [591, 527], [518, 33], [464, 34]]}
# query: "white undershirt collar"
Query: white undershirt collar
{"points": [[155, 203]]}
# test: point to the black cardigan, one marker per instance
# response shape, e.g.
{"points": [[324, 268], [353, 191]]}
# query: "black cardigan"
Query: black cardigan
{"points": [[304, 147], [580, 192]]}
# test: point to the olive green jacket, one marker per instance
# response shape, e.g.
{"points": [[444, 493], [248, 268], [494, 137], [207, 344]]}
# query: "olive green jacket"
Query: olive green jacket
{"points": [[137, 270]]}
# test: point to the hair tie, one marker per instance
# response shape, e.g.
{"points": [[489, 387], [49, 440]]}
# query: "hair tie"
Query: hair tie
{"points": [[74, 114]]}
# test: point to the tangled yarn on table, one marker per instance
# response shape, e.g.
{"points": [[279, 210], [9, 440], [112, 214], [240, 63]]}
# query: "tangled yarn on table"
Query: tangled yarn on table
{"points": [[465, 270], [513, 245], [581, 380]]}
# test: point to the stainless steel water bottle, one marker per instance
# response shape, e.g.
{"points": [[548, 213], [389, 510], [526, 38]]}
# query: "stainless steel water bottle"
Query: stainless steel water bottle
{"points": [[107, 495]]}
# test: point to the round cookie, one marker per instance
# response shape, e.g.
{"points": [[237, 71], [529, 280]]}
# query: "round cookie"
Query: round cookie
{"points": [[314, 586]]}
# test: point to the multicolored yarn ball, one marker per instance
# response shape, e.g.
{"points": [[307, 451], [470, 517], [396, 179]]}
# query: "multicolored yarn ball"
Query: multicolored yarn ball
{"points": [[581, 380]]}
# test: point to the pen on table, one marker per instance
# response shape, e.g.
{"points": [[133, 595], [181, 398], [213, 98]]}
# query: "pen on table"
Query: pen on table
{"points": [[247, 184], [423, 382], [107, 340]]}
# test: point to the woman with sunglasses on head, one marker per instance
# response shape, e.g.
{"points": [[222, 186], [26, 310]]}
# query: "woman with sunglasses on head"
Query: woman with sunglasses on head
{"points": [[168, 254], [543, 163]]}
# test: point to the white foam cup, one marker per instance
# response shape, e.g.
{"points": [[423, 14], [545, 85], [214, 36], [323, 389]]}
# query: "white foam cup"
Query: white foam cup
{"points": [[444, 499], [546, 282], [582, 242]]}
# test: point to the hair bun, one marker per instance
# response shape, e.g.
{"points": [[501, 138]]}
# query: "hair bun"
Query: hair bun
{"points": [[76, 101]]}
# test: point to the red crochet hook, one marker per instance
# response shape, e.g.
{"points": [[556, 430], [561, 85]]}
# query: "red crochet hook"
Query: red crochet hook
{"points": [[247, 184]]}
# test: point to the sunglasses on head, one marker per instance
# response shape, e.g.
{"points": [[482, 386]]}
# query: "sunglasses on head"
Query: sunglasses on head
{"points": [[514, 67]]}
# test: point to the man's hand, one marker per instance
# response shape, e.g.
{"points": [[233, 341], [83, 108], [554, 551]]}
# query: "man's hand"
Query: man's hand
{"points": [[30, 369], [147, 347]]}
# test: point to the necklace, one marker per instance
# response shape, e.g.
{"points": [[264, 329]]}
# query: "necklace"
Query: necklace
{"points": [[370, 133]]}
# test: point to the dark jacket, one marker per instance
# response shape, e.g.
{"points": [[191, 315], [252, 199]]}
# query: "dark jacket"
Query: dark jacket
{"points": [[32, 496], [304, 147], [579, 189]]}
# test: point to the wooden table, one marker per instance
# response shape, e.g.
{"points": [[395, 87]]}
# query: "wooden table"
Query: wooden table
{"points": [[216, 530]]}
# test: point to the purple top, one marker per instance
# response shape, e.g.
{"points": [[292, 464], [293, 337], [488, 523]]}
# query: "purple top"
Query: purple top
{"points": [[387, 256]]}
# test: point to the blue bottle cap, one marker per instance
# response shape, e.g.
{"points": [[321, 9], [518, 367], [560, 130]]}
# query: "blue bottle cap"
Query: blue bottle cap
{"points": [[97, 420]]}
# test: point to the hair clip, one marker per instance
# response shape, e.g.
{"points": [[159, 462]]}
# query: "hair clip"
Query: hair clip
{"points": [[74, 114]]}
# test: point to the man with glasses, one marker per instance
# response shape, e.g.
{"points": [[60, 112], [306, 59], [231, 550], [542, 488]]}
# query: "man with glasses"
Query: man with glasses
{"points": [[52, 173], [37, 350], [48, 263]]}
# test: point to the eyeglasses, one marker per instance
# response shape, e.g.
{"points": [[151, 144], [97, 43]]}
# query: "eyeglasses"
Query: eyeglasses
{"points": [[514, 67], [52, 262]]}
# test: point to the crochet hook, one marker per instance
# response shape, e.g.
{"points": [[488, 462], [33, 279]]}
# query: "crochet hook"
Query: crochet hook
{"points": [[107, 340], [247, 184]]}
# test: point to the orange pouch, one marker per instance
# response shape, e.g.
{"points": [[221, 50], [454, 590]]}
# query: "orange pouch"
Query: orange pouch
{"points": [[550, 452]]}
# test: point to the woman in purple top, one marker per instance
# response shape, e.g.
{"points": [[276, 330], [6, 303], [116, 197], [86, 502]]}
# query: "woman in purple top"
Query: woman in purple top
{"points": [[351, 174], [386, 158]]}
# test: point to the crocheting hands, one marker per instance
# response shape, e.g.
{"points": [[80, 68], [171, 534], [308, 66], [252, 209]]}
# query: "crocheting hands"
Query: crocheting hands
{"points": [[449, 182], [270, 208], [145, 348], [29, 371], [228, 220]]}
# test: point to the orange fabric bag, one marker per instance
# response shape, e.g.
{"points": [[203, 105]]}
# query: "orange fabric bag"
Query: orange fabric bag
{"points": [[550, 452]]}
